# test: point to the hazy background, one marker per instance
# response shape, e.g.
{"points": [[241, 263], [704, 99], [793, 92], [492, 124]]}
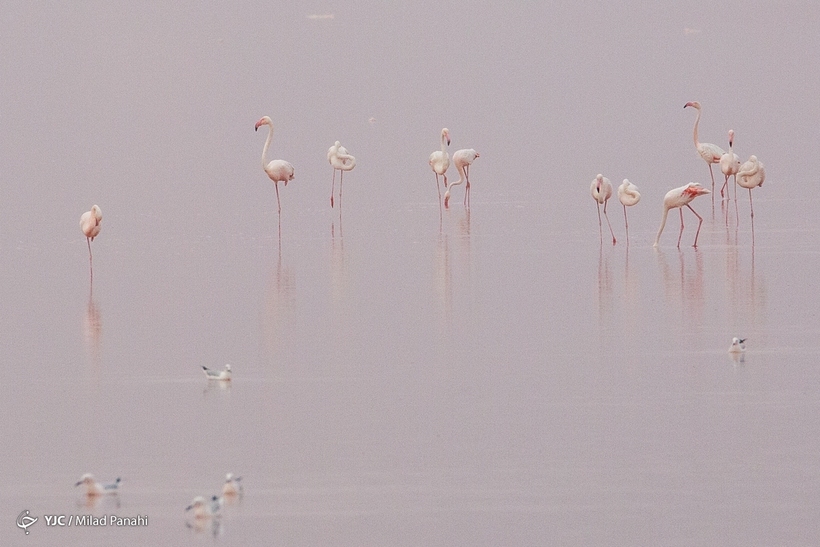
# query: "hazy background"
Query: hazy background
{"points": [[403, 378]]}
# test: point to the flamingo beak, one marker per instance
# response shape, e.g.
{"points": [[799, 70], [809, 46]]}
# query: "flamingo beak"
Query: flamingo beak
{"points": [[448, 141], [256, 127]]}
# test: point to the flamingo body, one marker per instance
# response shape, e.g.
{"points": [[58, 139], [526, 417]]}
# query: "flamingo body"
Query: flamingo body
{"points": [[90, 224], [339, 159], [751, 175], [462, 159], [601, 190], [277, 170], [679, 198]]}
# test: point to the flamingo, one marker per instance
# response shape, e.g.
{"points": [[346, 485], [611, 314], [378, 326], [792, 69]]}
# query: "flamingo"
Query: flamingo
{"points": [[628, 195], [677, 198], [211, 374], [94, 488], [601, 190], [339, 158], [232, 487], [710, 153], [462, 159], [737, 345], [90, 225], [440, 160], [729, 164], [750, 175], [277, 170]]}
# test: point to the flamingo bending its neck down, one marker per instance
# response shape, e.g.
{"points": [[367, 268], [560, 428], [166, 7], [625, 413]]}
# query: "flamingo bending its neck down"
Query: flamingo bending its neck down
{"points": [[277, 170], [601, 190], [462, 159], [628, 195], [90, 225], [440, 160], [339, 159], [677, 198], [729, 165], [751, 175], [710, 153]]}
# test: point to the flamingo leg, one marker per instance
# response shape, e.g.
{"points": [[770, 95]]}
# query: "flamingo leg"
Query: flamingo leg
{"points": [[626, 223], [332, 188], [341, 178], [712, 174], [681, 226], [90, 261], [438, 190], [752, 207], [467, 191], [700, 221], [725, 184], [600, 228], [278, 203], [608, 224]]}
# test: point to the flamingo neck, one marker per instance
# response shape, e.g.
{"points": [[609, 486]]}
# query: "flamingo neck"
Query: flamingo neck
{"points": [[462, 176], [695, 132], [663, 225], [267, 144], [443, 144]]}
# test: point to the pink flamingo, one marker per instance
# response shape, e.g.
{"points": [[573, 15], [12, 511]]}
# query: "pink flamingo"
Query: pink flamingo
{"points": [[677, 198], [729, 165], [90, 225], [710, 153], [601, 190], [462, 159], [339, 159], [628, 195], [440, 160], [751, 175], [277, 170]]}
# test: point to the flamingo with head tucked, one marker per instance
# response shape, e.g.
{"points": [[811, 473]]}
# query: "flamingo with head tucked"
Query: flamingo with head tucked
{"points": [[628, 195], [678, 198], [90, 225], [440, 160], [751, 175], [601, 190], [710, 153], [277, 170], [342, 161], [729, 165], [462, 159]]}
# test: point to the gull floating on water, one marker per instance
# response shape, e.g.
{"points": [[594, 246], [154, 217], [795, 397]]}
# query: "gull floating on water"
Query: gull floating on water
{"points": [[737, 345], [203, 509], [94, 488], [232, 487], [218, 374]]}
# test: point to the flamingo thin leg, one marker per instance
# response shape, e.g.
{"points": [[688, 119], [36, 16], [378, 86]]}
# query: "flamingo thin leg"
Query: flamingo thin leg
{"points": [[700, 221], [608, 224], [332, 188]]}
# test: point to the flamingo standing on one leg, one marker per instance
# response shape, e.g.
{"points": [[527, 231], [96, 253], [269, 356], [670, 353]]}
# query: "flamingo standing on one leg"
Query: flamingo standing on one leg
{"points": [[729, 165], [751, 175], [628, 195], [710, 153], [601, 190], [440, 160], [339, 159], [462, 159], [677, 198], [277, 170], [90, 225]]}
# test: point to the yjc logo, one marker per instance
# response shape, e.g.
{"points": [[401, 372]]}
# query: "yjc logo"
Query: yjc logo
{"points": [[24, 520]]}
